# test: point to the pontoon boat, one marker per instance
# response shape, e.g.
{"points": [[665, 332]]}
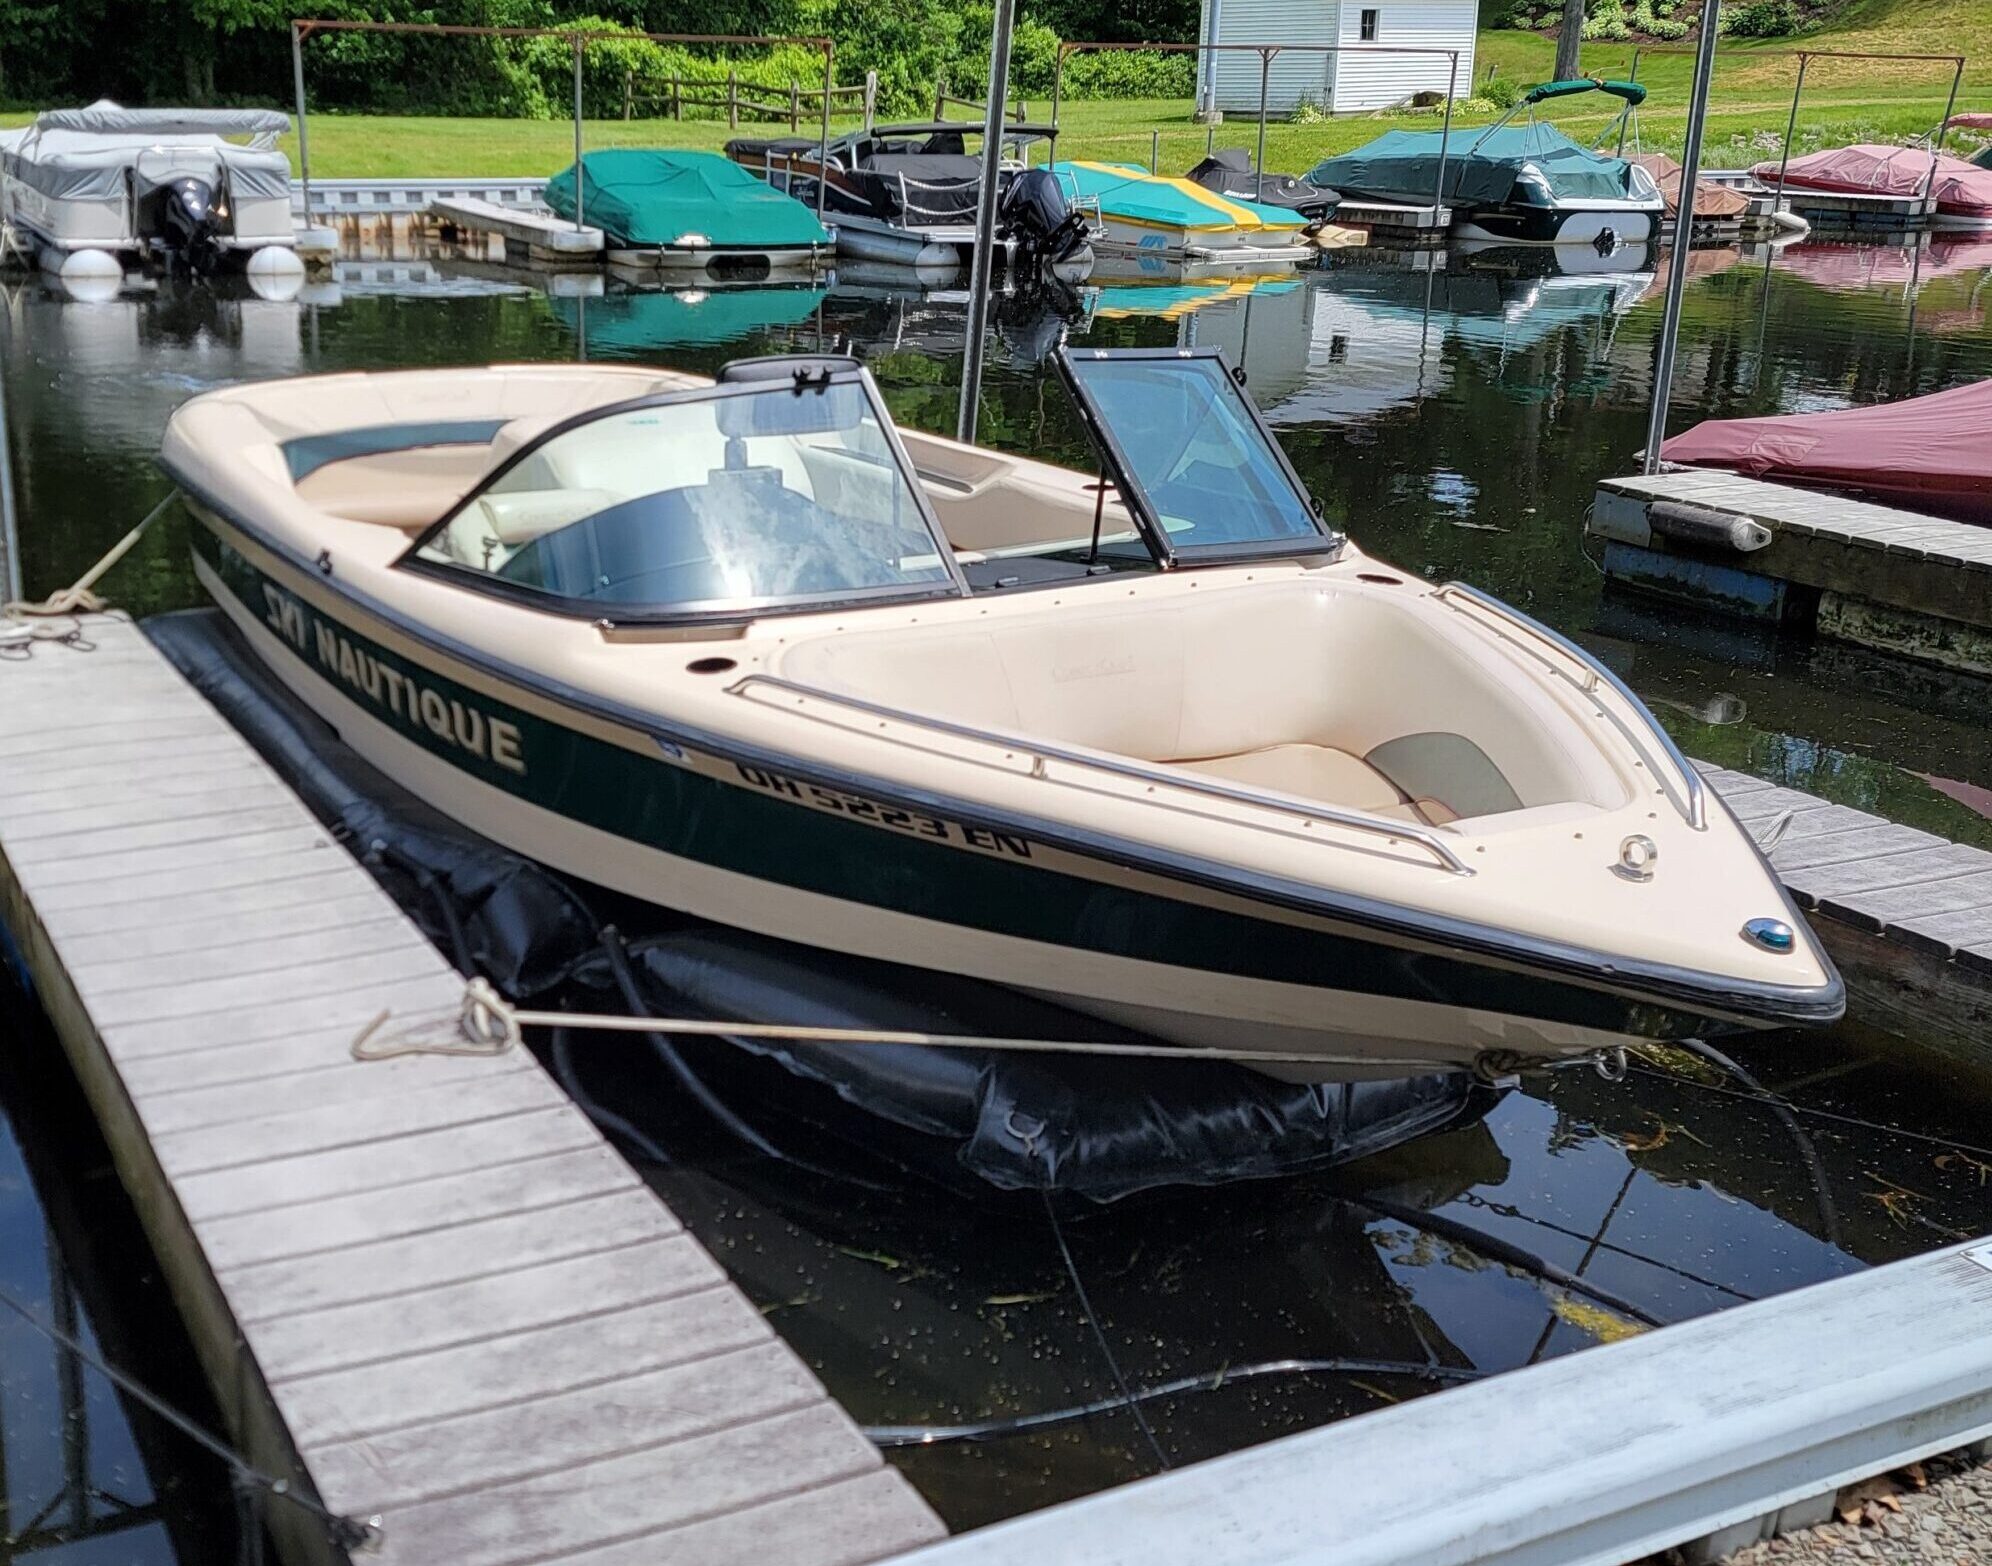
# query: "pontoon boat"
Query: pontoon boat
{"points": [[1162, 744], [94, 188]]}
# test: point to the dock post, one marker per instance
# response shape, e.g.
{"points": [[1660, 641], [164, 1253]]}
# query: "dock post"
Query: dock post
{"points": [[580, 182], [1155, 152], [1937, 140], [982, 262], [871, 97], [1684, 228], [1265, 85], [303, 138], [1791, 127], [823, 147], [732, 99], [1057, 86], [11, 590], [795, 106], [1445, 141]]}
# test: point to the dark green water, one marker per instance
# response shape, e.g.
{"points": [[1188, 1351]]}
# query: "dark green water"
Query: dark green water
{"points": [[1457, 423]]}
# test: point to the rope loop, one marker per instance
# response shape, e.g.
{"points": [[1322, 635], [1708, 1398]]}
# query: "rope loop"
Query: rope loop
{"points": [[487, 1020]]}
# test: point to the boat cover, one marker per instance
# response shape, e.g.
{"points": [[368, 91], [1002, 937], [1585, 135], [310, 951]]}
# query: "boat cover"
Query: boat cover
{"points": [[1711, 200], [641, 197], [1962, 189], [1229, 172], [1159, 201], [1480, 167], [83, 154], [637, 324], [1930, 453]]}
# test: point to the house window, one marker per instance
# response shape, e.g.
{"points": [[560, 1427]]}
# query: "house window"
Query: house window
{"points": [[1369, 27]]}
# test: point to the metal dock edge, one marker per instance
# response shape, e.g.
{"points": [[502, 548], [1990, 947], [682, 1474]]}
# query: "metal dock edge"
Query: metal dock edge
{"points": [[425, 1287], [1593, 1459]]}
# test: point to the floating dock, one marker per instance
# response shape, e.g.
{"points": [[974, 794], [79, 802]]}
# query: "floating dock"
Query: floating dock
{"points": [[529, 235], [1906, 914], [425, 1290], [1834, 211], [1917, 586], [1394, 224]]}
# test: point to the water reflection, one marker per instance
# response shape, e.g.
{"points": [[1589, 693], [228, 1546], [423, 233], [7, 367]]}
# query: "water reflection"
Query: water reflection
{"points": [[85, 1473]]}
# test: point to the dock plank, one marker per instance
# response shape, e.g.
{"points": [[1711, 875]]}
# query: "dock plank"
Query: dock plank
{"points": [[427, 1288]]}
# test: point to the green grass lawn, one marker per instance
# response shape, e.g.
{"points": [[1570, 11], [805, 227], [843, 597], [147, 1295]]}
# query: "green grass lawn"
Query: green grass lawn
{"points": [[1844, 101]]}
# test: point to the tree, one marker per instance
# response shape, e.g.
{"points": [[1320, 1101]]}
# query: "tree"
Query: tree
{"points": [[1570, 39]]}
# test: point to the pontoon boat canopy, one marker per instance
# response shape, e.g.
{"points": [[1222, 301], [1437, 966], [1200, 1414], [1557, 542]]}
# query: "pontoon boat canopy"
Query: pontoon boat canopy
{"points": [[104, 118], [84, 154]]}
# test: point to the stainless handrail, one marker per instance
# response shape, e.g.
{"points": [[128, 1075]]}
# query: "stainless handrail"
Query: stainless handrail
{"points": [[1039, 753], [1691, 797]]}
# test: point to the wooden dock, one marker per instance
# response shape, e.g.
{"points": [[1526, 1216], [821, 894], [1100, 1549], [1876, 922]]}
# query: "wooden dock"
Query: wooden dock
{"points": [[529, 235], [1394, 223], [424, 1289], [1906, 914], [1905, 583]]}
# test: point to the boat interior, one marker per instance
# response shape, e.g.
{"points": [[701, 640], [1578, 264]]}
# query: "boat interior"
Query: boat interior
{"points": [[1403, 715]]}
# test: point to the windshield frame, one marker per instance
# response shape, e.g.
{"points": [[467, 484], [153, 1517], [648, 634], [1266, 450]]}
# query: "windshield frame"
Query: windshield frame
{"points": [[721, 610], [1169, 555]]}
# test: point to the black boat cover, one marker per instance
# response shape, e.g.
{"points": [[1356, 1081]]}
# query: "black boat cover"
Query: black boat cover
{"points": [[978, 1121], [1228, 171]]}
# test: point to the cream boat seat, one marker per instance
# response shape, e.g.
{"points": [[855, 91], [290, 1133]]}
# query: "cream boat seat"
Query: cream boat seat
{"points": [[1311, 691]]}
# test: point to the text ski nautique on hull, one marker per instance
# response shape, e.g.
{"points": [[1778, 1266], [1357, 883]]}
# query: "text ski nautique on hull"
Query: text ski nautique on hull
{"points": [[1162, 746]]}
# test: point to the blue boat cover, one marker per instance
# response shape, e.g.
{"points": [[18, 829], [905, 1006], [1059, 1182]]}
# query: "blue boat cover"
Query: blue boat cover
{"points": [[641, 197], [1481, 166]]}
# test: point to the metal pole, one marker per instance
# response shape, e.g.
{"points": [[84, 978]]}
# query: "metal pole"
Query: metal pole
{"points": [[1943, 125], [10, 535], [1154, 151], [1057, 84], [1445, 139], [1684, 225], [303, 137], [1631, 75], [823, 148], [1265, 83], [580, 183], [1791, 126], [983, 261]]}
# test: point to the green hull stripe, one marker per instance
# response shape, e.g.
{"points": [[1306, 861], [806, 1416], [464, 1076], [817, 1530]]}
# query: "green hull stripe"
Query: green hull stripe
{"points": [[754, 829]]}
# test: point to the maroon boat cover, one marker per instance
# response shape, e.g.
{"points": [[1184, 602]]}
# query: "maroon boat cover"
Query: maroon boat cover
{"points": [[1962, 189], [1929, 453]]}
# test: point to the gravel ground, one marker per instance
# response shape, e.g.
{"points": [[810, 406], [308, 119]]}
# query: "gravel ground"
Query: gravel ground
{"points": [[1937, 1513]]}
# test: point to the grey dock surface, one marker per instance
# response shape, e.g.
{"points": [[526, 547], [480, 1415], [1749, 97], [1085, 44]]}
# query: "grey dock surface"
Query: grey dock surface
{"points": [[1907, 583], [1906, 914], [425, 1288], [538, 236]]}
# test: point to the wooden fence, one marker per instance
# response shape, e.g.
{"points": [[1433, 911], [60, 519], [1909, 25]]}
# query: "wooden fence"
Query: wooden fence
{"points": [[671, 96]]}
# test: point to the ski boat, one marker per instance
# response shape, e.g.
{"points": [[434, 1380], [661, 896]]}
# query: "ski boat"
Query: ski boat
{"points": [[667, 207], [95, 188], [1143, 214], [1162, 746], [905, 195], [1520, 185]]}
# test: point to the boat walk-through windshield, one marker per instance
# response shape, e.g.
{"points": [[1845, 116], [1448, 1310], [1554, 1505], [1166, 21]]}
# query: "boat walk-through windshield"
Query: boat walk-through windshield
{"points": [[1189, 453], [781, 487]]}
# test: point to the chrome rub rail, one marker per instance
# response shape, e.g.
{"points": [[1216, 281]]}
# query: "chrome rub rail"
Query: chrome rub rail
{"points": [[1040, 753]]}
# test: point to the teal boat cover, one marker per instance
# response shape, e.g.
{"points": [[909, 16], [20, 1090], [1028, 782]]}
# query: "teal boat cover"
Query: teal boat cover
{"points": [[641, 197], [1481, 166]]}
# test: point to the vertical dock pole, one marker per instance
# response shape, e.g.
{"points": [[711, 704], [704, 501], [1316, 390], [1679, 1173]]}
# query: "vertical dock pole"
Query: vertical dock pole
{"points": [[1445, 142], [1943, 126], [303, 137], [11, 590], [580, 183], [1791, 129], [1684, 228], [982, 263], [1265, 87], [823, 146]]}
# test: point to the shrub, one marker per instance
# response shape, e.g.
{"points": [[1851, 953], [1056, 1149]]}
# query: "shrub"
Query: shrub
{"points": [[1762, 19], [1606, 21], [1504, 92], [1117, 75], [1646, 19], [1307, 111]]}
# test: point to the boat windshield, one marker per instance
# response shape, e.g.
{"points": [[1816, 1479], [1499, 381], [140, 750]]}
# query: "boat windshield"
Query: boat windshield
{"points": [[1191, 454], [753, 497]]}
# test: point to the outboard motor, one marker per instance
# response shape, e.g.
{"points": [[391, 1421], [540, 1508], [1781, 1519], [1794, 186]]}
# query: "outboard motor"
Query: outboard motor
{"points": [[190, 222], [1035, 215]]}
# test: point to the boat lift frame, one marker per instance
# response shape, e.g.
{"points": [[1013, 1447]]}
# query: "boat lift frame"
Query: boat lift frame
{"points": [[1267, 53], [303, 27], [1805, 57]]}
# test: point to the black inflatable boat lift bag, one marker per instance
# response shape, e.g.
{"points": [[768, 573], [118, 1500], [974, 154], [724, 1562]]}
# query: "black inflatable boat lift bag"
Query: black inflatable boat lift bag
{"points": [[976, 1121]]}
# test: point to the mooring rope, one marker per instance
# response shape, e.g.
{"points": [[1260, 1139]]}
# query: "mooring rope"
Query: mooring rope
{"points": [[488, 1024], [79, 597], [346, 1532]]}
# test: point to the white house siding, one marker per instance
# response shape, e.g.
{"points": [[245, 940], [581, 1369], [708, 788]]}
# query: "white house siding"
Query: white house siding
{"points": [[1375, 81], [1294, 76]]}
